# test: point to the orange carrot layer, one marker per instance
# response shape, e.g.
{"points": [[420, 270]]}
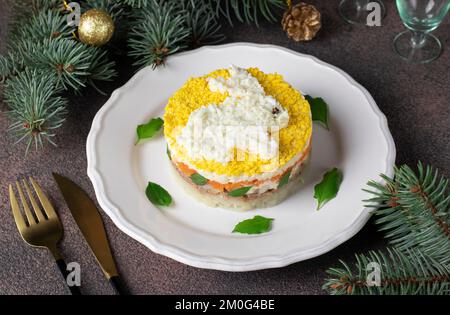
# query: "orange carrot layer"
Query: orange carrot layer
{"points": [[232, 186]]}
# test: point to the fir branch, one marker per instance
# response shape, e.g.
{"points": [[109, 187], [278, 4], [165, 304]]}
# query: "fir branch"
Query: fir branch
{"points": [[68, 60], [114, 8], [20, 48], [101, 68], [410, 272], [202, 23], [14, 61], [157, 32], [35, 6], [23, 10], [10, 65], [41, 49], [413, 210], [136, 4], [73, 63], [45, 25], [247, 11], [35, 108]]}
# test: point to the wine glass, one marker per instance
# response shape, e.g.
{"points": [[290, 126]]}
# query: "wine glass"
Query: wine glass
{"points": [[357, 11], [418, 45]]}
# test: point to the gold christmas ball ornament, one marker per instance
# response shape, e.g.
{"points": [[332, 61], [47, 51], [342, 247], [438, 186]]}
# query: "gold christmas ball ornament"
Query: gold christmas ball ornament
{"points": [[301, 22], [96, 27]]}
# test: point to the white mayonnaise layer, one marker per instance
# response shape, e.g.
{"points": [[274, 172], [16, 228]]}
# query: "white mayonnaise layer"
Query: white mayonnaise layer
{"points": [[225, 179], [248, 120]]}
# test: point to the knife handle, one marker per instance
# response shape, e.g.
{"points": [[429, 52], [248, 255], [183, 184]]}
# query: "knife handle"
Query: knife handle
{"points": [[63, 268], [118, 285]]}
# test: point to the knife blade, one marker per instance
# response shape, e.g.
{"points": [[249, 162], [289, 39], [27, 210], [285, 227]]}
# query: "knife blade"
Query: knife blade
{"points": [[89, 221]]}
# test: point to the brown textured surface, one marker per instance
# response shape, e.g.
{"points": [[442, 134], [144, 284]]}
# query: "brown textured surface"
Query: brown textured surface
{"points": [[415, 99]]}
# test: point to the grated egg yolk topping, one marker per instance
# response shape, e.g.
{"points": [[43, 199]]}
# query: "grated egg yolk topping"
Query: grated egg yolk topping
{"points": [[196, 93]]}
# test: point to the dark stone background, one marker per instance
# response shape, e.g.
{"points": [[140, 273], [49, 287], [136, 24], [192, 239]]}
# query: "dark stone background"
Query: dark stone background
{"points": [[415, 99]]}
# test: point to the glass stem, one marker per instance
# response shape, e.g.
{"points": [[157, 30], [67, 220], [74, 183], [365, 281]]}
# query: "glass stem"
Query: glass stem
{"points": [[418, 39]]}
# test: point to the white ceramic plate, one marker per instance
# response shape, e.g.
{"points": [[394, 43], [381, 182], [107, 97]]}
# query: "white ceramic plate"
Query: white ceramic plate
{"points": [[359, 143]]}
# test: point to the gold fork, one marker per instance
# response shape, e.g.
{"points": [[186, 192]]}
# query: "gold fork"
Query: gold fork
{"points": [[42, 227]]}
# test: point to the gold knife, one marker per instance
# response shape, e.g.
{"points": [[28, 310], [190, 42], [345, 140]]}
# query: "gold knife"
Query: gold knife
{"points": [[91, 225]]}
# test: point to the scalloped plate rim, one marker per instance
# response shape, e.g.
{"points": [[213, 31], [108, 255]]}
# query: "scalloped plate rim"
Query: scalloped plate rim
{"points": [[214, 262]]}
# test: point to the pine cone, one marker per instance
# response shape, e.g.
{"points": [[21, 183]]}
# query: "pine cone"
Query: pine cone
{"points": [[302, 22]]}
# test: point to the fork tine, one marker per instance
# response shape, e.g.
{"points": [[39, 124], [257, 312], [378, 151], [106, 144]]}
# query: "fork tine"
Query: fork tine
{"points": [[48, 208], [37, 211], [30, 218], [20, 222]]}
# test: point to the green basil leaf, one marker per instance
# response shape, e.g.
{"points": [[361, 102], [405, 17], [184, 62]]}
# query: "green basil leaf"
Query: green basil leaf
{"points": [[256, 225], [158, 195], [284, 179], [328, 188], [198, 179], [168, 153], [319, 110], [239, 192], [149, 129]]}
